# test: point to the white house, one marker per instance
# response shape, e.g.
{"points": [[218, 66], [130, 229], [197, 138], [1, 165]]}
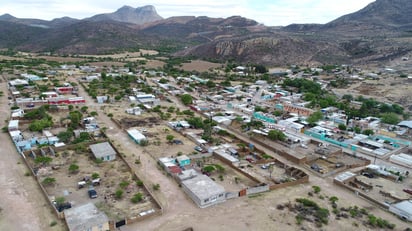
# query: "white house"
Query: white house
{"points": [[402, 209], [103, 151], [204, 191]]}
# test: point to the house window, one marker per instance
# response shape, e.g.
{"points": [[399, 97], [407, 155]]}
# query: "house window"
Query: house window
{"points": [[213, 199], [107, 157], [220, 195], [206, 200]]}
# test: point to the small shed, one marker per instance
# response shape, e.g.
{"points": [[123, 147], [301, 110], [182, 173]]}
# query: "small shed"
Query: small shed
{"points": [[136, 135], [183, 160], [103, 151]]}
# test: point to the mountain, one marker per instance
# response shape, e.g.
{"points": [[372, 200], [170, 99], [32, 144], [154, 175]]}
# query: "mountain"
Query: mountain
{"points": [[127, 14], [390, 14], [58, 22], [378, 33]]}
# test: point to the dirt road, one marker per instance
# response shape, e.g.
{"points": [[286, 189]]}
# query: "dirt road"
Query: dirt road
{"points": [[22, 206]]}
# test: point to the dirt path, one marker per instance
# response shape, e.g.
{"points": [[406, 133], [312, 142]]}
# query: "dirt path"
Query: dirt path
{"points": [[22, 205]]}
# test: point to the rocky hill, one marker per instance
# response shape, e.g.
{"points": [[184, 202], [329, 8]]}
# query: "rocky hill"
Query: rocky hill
{"points": [[379, 32], [128, 14]]}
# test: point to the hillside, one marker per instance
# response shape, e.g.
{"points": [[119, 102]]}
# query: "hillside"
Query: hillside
{"points": [[377, 33]]}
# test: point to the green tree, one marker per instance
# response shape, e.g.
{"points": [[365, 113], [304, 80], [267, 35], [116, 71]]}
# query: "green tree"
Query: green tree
{"points": [[368, 132], [390, 118], [45, 160], [276, 135], [315, 117], [342, 127], [186, 99], [170, 138], [137, 198], [65, 136]]}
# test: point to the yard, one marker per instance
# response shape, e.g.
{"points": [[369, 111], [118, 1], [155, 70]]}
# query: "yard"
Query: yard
{"points": [[117, 187]]}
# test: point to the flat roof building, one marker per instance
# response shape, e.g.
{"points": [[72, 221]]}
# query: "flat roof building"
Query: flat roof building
{"points": [[103, 151], [204, 191]]}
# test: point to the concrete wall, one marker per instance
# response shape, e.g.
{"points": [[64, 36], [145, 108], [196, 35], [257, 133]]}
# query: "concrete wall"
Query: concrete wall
{"points": [[255, 190]]}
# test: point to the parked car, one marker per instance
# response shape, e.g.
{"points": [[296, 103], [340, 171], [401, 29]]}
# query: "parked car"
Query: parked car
{"points": [[177, 142], [199, 149], [409, 191], [30, 105], [92, 193], [63, 206], [250, 160], [81, 184], [367, 174], [265, 166]]}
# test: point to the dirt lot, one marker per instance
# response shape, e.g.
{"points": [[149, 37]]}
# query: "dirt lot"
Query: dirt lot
{"points": [[199, 65], [386, 89], [111, 174], [382, 186]]}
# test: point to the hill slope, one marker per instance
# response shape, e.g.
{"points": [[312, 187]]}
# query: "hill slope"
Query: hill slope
{"points": [[379, 32]]}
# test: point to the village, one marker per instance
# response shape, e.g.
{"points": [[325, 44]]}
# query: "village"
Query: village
{"points": [[92, 135]]}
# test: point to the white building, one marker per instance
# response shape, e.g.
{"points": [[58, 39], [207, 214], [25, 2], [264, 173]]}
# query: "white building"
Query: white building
{"points": [[402, 209], [204, 191], [136, 135]]}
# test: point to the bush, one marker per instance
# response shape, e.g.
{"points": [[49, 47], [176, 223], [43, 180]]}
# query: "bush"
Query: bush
{"points": [[124, 184], [118, 194], [316, 189], [53, 223], [139, 183], [137, 198], [73, 168], [95, 175], [156, 187], [49, 181]]}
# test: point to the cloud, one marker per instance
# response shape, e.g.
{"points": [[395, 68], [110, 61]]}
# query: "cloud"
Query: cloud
{"points": [[274, 12]]}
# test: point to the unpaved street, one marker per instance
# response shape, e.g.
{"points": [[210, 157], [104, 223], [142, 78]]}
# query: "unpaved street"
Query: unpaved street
{"points": [[22, 206]]}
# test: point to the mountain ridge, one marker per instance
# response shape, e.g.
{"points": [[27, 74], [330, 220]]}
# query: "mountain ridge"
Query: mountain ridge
{"points": [[371, 34]]}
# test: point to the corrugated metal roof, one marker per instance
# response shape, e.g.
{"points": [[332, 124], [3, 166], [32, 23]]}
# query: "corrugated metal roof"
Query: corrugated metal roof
{"points": [[406, 123]]}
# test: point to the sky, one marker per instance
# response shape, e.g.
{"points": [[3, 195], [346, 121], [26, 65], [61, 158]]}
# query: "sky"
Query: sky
{"points": [[268, 12]]}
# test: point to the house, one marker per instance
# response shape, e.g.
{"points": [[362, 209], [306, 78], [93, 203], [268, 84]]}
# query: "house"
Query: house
{"points": [[16, 135], [136, 135], [64, 90], [183, 160], [402, 209], [406, 124], [13, 125], [86, 218], [102, 99], [204, 191], [18, 82], [103, 151]]}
